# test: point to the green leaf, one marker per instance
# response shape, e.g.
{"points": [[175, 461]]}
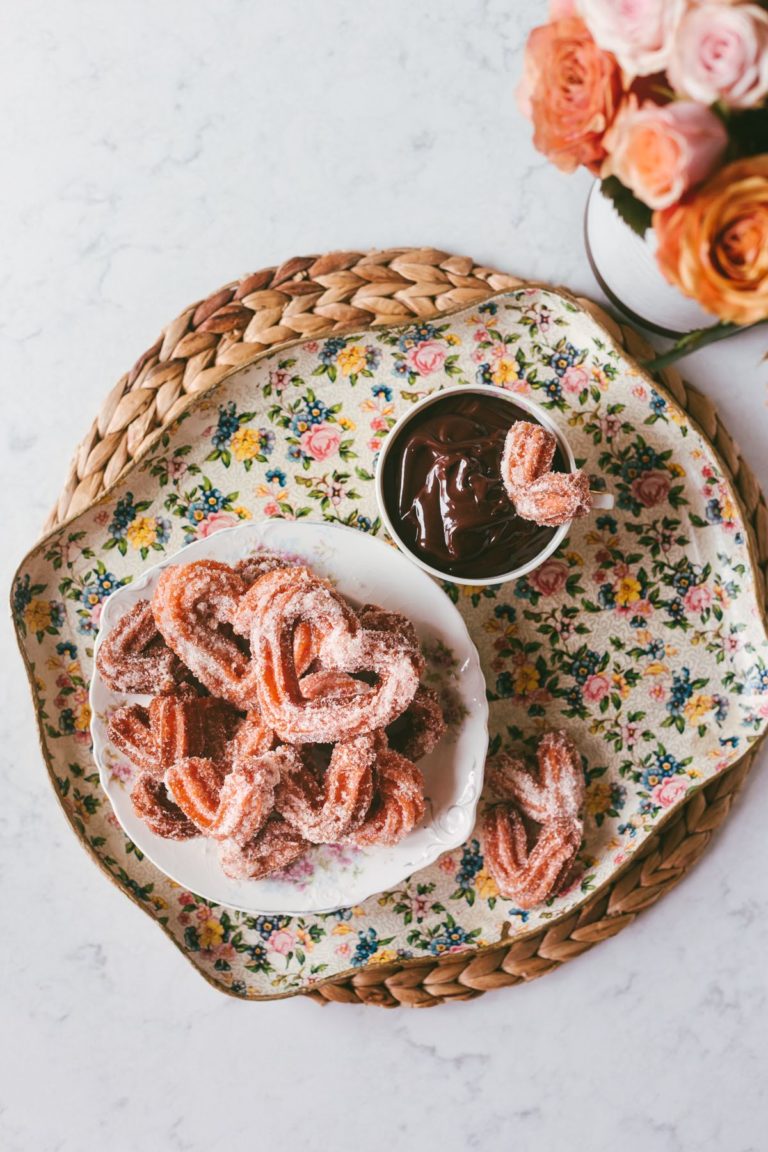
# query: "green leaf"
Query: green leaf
{"points": [[632, 211]]}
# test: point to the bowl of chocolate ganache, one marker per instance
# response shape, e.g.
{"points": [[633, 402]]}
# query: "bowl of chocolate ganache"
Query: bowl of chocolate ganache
{"points": [[440, 491]]}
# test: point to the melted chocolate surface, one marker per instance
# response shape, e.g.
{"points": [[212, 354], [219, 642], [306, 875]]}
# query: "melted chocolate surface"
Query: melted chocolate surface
{"points": [[443, 488]]}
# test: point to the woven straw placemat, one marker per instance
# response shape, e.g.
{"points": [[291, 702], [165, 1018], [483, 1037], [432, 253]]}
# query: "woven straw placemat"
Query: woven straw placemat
{"points": [[316, 296]]}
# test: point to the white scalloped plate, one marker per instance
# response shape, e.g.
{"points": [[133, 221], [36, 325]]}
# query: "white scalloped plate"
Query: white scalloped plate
{"points": [[365, 570]]}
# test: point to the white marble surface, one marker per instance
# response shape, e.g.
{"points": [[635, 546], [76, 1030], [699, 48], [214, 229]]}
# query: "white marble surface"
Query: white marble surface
{"points": [[151, 151]]}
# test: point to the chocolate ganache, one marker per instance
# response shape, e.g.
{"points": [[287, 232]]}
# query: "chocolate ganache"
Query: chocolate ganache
{"points": [[443, 489]]}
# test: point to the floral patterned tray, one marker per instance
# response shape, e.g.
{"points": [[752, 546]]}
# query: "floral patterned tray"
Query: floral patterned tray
{"points": [[643, 635]]}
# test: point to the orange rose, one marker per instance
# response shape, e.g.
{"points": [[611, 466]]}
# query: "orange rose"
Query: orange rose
{"points": [[571, 90], [713, 245]]}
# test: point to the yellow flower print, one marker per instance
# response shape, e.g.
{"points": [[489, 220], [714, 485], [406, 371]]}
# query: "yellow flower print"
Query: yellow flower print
{"points": [[159, 903], [243, 512], [211, 934], [628, 591], [676, 469], [347, 424], [341, 929], [304, 939], [620, 685], [526, 679], [600, 378], [351, 359], [485, 885], [452, 338], [83, 718], [598, 797], [142, 532], [506, 372], [697, 708], [656, 669], [384, 956], [37, 615], [245, 444]]}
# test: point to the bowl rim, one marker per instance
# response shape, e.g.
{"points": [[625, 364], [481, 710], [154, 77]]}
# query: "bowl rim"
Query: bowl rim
{"points": [[480, 709], [519, 401]]}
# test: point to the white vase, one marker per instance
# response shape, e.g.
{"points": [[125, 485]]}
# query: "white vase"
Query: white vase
{"points": [[625, 267]]}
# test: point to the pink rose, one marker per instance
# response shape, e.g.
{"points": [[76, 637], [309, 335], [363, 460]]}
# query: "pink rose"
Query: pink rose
{"points": [[320, 441], [343, 950], [271, 508], [575, 378], [651, 488], [669, 791], [425, 358], [720, 52], [657, 691], [379, 424], [638, 32], [215, 522], [640, 391], [596, 687], [697, 598], [374, 445], [281, 942], [659, 153], [550, 577]]}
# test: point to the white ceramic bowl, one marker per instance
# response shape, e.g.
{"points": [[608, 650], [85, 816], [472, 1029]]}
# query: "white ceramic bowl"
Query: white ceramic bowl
{"points": [[367, 571], [538, 413]]}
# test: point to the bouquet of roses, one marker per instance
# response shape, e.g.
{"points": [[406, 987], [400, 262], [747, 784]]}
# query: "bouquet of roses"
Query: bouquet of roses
{"points": [[665, 101]]}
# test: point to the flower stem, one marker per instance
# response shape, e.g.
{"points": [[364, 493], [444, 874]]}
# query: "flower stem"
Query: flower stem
{"points": [[692, 341]]}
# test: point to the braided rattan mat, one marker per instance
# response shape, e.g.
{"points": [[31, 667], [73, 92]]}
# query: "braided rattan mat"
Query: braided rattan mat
{"points": [[310, 297]]}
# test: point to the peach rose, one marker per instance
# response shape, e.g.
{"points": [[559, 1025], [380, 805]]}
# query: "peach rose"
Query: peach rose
{"points": [[720, 52], [698, 598], [550, 577], [320, 441], [216, 522], [281, 941], [426, 358], [661, 152], [596, 687], [669, 791], [575, 378], [638, 32], [713, 246], [570, 90], [650, 488]]}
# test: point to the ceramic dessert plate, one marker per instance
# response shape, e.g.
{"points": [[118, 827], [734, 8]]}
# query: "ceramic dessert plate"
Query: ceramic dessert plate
{"points": [[365, 571], [643, 635]]}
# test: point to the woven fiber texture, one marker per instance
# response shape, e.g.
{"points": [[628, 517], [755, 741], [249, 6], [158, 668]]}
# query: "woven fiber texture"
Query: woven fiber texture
{"points": [[313, 297]]}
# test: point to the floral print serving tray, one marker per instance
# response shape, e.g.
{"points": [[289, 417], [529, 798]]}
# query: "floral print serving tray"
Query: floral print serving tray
{"points": [[643, 635]]}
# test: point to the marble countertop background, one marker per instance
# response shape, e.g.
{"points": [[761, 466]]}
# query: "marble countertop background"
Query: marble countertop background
{"points": [[151, 152]]}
